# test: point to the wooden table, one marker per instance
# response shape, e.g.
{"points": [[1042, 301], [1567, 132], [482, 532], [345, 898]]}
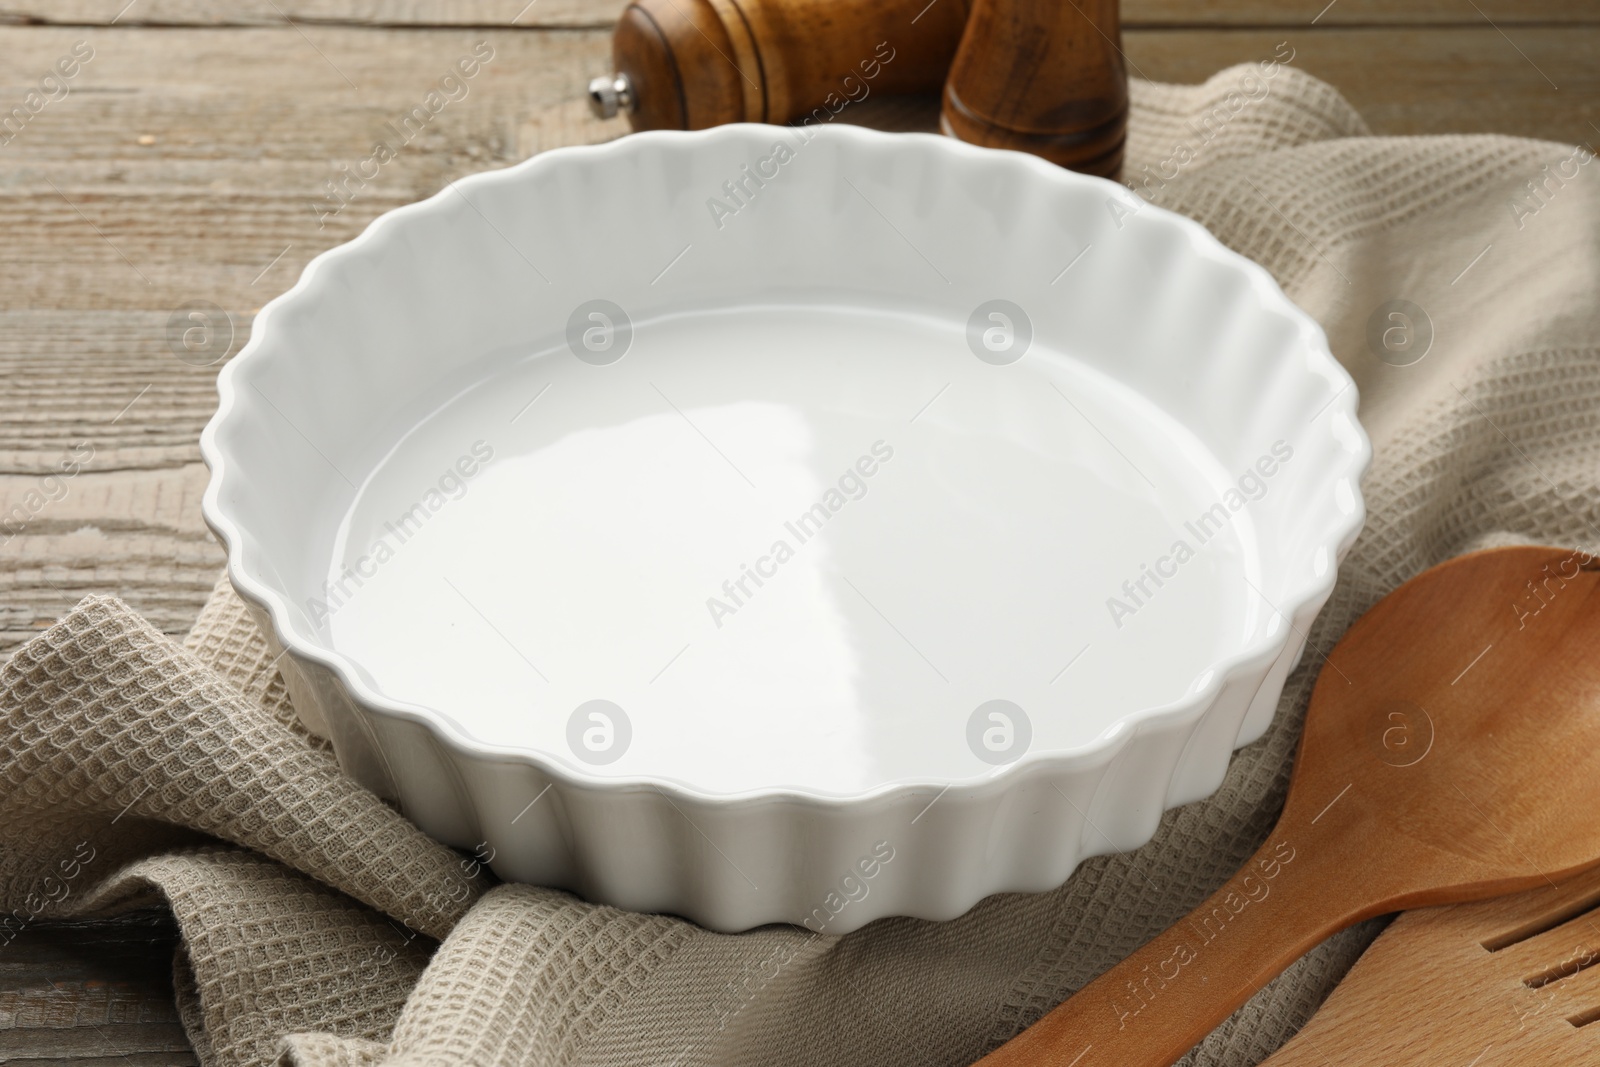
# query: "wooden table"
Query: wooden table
{"points": [[188, 163]]}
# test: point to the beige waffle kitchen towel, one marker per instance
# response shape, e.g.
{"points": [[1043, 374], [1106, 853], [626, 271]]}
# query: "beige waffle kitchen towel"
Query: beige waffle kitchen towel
{"points": [[136, 770]]}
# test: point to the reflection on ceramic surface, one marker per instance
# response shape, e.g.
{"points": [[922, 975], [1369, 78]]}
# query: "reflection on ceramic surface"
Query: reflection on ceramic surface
{"points": [[614, 547]]}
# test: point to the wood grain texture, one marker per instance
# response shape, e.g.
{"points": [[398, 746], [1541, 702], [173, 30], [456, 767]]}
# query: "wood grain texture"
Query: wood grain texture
{"points": [[373, 13], [700, 63], [92, 993], [1532, 82], [597, 13], [106, 236], [1042, 77], [1301, 13], [1515, 977]]}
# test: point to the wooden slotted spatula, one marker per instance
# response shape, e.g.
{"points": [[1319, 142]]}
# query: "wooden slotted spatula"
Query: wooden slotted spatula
{"points": [[1451, 752], [1509, 981]]}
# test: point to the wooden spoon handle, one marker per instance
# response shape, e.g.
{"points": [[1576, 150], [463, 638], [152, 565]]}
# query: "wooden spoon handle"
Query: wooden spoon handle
{"points": [[1156, 1004]]}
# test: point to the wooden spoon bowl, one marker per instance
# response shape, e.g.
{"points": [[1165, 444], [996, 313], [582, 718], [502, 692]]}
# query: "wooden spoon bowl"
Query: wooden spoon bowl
{"points": [[1451, 751]]}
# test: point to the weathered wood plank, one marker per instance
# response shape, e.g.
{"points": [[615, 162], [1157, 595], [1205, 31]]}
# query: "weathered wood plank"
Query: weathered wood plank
{"points": [[163, 575], [235, 166], [92, 992], [106, 236], [1292, 13], [203, 211], [132, 533], [550, 13], [1541, 82], [164, 501], [422, 13], [100, 390]]}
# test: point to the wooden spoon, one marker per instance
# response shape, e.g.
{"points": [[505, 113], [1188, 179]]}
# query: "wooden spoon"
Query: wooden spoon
{"points": [[1494, 983], [1451, 752]]}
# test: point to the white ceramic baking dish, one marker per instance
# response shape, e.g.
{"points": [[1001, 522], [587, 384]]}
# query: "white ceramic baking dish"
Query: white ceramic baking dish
{"points": [[767, 525]]}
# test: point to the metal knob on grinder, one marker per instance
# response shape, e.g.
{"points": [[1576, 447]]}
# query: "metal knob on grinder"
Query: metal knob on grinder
{"points": [[609, 94]]}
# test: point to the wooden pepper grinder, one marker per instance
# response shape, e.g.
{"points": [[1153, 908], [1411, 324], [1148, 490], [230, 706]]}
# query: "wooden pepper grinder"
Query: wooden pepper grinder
{"points": [[692, 64], [1042, 76]]}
